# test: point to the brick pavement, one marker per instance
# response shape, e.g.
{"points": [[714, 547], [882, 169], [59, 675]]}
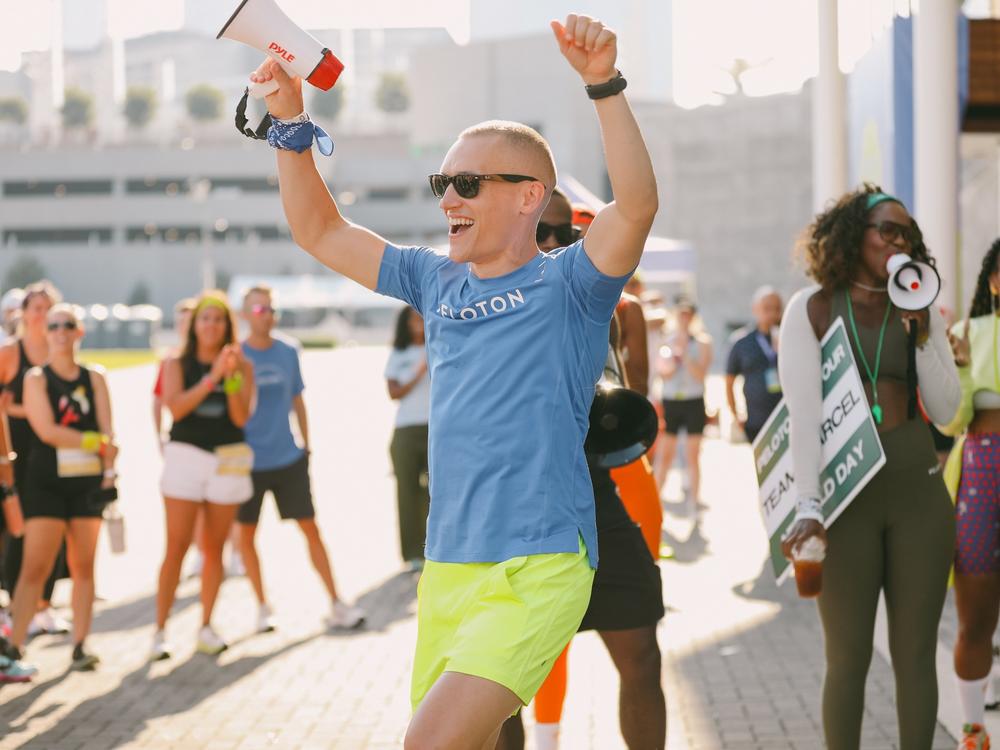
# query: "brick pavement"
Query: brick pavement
{"points": [[743, 658]]}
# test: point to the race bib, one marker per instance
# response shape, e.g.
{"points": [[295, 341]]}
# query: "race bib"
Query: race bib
{"points": [[73, 462], [234, 460], [771, 380]]}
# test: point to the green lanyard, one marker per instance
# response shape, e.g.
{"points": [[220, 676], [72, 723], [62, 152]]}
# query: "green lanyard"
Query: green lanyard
{"points": [[872, 376]]}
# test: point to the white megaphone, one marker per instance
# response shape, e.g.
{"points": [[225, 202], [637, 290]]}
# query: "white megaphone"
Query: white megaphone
{"points": [[262, 24], [912, 285]]}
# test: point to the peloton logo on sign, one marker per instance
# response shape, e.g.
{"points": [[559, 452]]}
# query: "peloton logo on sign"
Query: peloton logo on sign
{"points": [[495, 305], [281, 52]]}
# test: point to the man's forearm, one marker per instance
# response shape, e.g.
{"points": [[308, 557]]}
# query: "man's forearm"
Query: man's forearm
{"points": [[630, 168], [309, 207]]}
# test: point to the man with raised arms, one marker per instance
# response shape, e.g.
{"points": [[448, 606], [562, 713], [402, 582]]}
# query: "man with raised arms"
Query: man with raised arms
{"points": [[516, 341]]}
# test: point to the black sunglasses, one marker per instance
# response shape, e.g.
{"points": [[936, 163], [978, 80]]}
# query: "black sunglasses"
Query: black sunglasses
{"points": [[467, 185], [891, 231], [566, 234], [66, 325]]}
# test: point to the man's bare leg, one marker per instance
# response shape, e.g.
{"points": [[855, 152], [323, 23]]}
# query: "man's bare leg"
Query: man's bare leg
{"points": [[461, 712]]}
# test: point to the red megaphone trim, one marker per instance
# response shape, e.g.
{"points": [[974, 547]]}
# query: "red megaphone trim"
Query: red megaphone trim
{"points": [[326, 72]]}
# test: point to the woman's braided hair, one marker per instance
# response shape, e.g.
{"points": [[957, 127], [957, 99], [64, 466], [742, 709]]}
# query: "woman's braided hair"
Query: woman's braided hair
{"points": [[984, 301], [831, 244]]}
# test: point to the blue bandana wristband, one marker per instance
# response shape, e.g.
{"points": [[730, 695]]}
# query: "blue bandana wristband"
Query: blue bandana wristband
{"points": [[298, 137]]}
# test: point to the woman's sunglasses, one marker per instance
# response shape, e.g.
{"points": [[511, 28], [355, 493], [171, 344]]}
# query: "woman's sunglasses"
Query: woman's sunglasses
{"points": [[891, 231], [467, 185], [263, 310], [566, 234], [66, 325]]}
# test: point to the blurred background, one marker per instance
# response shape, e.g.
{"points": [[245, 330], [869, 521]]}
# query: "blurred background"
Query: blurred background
{"points": [[123, 180]]}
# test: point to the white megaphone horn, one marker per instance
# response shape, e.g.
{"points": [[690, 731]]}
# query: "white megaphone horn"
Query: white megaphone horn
{"points": [[263, 25], [913, 285]]}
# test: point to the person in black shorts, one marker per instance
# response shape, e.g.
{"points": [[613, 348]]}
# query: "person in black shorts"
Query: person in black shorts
{"points": [[626, 600], [29, 349], [683, 363], [69, 477], [280, 466]]}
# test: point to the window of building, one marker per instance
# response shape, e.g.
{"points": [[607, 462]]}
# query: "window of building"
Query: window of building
{"points": [[157, 186], [389, 194], [268, 184], [62, 236], [155, 233], [55, 188]]}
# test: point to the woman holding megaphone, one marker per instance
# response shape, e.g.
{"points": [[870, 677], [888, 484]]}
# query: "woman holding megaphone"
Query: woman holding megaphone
{"points": [[971, 477], [897, 535]]}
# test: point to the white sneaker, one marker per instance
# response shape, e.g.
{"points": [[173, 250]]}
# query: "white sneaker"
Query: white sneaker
{"points": [[343, 615], [265, 619], [236, 567], [47, 621], [161, 649], [546, 736], [209, 641]]}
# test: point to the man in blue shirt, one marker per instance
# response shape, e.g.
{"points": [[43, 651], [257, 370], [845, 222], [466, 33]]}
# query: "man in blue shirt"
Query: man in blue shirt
{"points": [[755, 357], [516, 341], [280, 466]]}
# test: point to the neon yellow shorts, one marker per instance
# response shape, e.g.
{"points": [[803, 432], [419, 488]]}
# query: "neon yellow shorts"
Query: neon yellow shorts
{"points": [[506, 622]]}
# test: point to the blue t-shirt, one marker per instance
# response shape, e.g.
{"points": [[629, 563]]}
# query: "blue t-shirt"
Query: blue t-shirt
{"points": [[513, 362], [279, 380], [753, 357]]}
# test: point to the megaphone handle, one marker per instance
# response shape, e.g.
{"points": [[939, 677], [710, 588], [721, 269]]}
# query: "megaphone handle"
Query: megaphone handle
{"points": [[260, 90]]}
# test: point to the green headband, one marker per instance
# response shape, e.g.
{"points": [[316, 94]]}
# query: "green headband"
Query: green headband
{"points": [[875, 198], [211, 302]]}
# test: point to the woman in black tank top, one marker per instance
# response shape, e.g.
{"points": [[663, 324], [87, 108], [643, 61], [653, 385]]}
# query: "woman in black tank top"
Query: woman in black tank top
{"points": [[69, 476], [29, 349], [208, 388]]}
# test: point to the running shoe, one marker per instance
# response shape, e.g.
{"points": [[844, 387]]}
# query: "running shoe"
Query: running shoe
{"points": [[161, 649], [265, 619], [47, 621], [84, 661], [974, 737], [236, 568], [15, 670], [345, 616], [209, 641]]}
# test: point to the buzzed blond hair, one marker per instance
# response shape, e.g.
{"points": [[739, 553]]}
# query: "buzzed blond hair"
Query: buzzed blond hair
{"points": [[522, 138]]}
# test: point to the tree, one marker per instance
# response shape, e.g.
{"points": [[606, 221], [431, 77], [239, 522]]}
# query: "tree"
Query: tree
{"points": [[23, 271], [204, 102], [14, 109], [78, 109], [328, 104], [140, 106], [140, 294], [392, 94]]}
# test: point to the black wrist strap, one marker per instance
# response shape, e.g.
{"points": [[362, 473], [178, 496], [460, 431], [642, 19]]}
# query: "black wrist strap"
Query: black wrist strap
{"points": [[260, 134], [609, 88]]}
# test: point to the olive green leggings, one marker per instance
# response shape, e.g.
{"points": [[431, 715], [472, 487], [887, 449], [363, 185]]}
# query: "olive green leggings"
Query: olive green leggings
{"points": [[898, 536]]}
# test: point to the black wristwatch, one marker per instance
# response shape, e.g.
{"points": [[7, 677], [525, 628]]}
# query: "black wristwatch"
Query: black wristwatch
{"points": [[609, 88]]}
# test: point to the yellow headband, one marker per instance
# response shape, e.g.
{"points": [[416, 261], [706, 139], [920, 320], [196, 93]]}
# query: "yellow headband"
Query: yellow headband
{"points": [[211, 302]]}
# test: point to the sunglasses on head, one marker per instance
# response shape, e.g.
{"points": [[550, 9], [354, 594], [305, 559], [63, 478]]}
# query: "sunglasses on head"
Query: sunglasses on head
{"points": [[891, 231], [66, 325], [566, 234], [467, 185], [263, 310]]}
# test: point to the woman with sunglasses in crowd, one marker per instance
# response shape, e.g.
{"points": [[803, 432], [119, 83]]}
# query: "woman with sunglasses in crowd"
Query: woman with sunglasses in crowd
{"points": [[971, 476], [30, 348], [69, 477], [682, 364], [408, 383], [209, 389], [898, 534]]}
